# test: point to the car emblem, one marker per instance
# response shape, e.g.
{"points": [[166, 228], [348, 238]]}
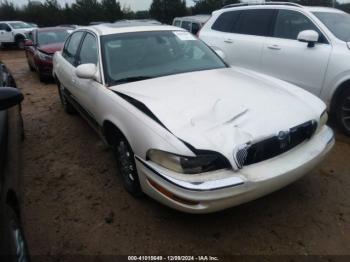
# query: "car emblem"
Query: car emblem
{"points": [[283, 137]]}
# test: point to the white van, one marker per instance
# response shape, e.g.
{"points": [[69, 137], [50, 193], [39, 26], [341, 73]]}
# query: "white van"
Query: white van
{"points": [[191, 23]]}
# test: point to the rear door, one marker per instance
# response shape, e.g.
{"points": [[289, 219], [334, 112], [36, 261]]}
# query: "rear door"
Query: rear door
{"points": [[241, 35], [65, 68], [291, 60]]}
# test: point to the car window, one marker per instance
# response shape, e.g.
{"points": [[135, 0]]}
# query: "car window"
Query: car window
{"points": [[255, 22], [337, 23], [19, 25], [290, 23], [51, 37], [30, 36], [71, 47], [154, 54], [195, 28], [177, 23], [88, 51], [226, 21], [4, 27], [186, 25]]}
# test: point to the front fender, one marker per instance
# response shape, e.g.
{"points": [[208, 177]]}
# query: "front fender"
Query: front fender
{"points": [[140, 130]]}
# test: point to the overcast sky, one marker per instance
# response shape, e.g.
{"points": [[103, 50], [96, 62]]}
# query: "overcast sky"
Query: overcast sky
{"points": [[133, 4]]}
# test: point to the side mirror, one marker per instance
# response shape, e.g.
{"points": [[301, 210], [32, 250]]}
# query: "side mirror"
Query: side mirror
{"points": [[308, 36], [8, 29], [86, 71], [28, 42], [9, 97], [220, 53]]}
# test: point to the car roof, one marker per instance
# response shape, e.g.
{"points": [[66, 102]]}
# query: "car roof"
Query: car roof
{"points": [[194, 18], [277, 5], [323, 9], [128, 27], [53, 28], [150, 21], [12, 22]]}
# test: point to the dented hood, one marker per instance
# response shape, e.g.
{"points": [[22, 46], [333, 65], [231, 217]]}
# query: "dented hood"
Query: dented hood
{"points": [[224, 108]]}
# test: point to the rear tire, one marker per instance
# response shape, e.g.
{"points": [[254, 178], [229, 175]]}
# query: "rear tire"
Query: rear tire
{"points": [[68, 108], [20, 43], [343, 111], [42, 78], [126, 166], [31, 68]]}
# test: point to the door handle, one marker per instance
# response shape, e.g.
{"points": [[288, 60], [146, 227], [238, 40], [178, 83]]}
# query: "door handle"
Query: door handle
{"points": [[274, 47], [228, 41], [74, 81]]}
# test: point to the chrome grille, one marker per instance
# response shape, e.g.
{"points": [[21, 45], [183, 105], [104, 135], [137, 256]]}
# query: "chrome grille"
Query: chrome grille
{"points": [[276, 145]]}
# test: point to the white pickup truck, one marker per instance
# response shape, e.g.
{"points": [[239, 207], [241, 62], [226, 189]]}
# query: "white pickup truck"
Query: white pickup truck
{"points": [[14, 32]]}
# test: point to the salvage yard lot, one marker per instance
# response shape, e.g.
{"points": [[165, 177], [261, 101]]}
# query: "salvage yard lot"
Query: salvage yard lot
{"points": [[75, 204]]}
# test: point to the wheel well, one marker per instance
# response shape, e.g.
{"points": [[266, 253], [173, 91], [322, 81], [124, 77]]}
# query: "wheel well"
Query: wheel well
{"points": [[337, 95], [110, 131], [19, 37], [12, 201]]}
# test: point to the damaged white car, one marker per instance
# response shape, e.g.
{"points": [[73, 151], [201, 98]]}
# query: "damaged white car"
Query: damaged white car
{"points": [[188, 130]]}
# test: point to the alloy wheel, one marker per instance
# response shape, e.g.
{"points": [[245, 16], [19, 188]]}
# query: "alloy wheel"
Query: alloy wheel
{"points": [[345, 113], [19, 244], [126, 163]]}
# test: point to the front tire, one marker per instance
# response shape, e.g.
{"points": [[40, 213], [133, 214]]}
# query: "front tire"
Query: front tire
{"points": [[42, 78], [127, 166], [343, 111], [67, 106], [15, 248]]}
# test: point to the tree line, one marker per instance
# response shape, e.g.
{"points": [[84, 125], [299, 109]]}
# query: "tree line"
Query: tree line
{"points": [[82, 12]]}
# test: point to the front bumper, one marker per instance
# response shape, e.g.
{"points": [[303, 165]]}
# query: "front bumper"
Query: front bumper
{"points": [[44, 67], [213, 191]]}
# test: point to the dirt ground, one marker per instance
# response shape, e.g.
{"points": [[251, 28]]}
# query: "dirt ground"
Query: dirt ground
{"points": [[74, 202]]}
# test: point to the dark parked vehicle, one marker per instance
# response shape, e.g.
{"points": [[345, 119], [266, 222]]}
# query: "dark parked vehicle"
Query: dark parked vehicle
{"points": [[12, 241], [41, 46]]}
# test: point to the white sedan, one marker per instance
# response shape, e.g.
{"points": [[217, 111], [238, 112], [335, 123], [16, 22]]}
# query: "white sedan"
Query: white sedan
{"points": [[187, 129]]}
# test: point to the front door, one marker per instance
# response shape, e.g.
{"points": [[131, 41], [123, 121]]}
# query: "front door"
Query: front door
{"points": [[287, 58]]}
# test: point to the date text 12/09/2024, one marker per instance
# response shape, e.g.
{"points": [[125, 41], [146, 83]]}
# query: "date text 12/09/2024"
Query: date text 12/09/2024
{"points": [[173, 258]]}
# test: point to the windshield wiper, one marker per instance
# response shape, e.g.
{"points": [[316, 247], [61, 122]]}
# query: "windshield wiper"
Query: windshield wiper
{"points": [[132, 79]]}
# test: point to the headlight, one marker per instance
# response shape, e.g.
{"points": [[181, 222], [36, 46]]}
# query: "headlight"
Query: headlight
{"points": [[44, 56], [188, 165], [323, 118]]}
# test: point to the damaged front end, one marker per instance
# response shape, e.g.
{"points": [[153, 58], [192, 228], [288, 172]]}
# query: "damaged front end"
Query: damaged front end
{"points": [[255, 152]]}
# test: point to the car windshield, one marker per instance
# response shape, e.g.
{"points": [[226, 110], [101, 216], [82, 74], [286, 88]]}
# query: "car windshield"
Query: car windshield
{"points": [[51, 37], [19, 25], [337, 23], [142, 55]]}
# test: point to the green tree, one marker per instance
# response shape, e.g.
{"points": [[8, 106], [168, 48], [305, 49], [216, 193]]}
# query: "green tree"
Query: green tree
{"points": [[86, 11], [165, 10], [208, 6], [111, 10], [8, 11]]}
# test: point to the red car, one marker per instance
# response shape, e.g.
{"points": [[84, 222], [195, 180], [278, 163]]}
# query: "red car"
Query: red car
{"points": [[41, 46]]}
